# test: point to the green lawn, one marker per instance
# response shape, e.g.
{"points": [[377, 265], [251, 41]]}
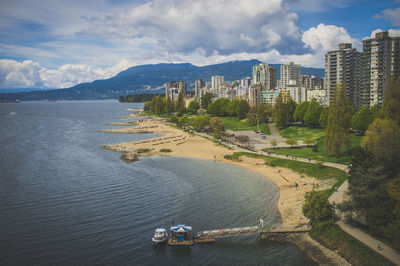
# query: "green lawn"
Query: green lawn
{"points": [[314, 170], [236, 124], [302, 133]]}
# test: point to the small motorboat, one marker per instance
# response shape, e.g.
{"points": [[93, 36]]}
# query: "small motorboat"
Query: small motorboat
{"points": [[160, 236]]}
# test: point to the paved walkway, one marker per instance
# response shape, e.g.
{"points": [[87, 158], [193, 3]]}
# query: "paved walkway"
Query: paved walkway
{"points": [[366, 239]]}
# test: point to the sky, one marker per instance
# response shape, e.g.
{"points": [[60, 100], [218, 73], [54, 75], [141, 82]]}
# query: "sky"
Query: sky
{"points": [[58, 44]]}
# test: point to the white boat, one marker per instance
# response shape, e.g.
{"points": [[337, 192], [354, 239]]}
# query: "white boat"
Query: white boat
{"points": [[160, 236]]}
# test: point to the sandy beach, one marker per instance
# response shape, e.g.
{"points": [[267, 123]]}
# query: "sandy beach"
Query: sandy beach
{"points": [[183, 144]]}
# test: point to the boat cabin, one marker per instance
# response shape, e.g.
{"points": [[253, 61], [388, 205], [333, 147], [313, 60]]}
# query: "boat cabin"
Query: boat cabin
{"points": [[181, 235]]}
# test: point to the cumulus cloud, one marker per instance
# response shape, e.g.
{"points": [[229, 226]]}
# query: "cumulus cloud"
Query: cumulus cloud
{"points": [[326, 37], [316, 40], [316, 5], [219, 26], [24, 74], [30, 74], [392, 33], [391, 14], [81, 42]]}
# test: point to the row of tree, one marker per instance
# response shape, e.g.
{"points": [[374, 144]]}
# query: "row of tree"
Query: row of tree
{"points": [[220, 107], [136, 98], [161, 105], [374, 180], [314, 114]]}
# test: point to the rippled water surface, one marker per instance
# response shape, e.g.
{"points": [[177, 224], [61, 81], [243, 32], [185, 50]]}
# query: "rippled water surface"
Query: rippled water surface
{"points": [[66, 201]]}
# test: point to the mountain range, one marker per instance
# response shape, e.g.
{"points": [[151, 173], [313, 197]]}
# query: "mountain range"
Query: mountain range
{"points": [[148, 79]]}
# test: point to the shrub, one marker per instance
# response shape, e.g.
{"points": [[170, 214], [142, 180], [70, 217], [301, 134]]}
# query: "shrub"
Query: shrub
{"points": [[142, 150], [165, 150], [317, 206]]}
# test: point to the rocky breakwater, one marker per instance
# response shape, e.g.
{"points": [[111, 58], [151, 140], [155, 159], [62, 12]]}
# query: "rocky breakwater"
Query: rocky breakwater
{"points": [[129, 155]]}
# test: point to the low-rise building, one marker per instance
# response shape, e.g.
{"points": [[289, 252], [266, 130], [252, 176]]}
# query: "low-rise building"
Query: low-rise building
{"points": [[319, 95]]}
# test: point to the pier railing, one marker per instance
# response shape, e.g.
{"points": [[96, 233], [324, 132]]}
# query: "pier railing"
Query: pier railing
{"points": [[250, 230]]}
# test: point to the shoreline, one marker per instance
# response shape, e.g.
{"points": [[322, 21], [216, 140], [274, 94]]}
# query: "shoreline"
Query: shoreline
{"points": [[182, 144], [290, 200]]}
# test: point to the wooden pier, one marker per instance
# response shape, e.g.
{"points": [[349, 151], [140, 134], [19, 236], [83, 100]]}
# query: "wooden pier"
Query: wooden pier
{"points": [[211, 235]]}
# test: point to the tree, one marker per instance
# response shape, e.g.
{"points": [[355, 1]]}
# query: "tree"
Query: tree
{"points": [[252, 116], [147, 106], [313, 113], [309, 141], [301, 109], [200, 122], [339, 122], [158, 105], [323, 118], [206, 100], [316, 206], [391, 102], [180, 104], [291, 142], [217, 123], [289, 109], [193, 107], [183, 120], [392, 230], [242, 109], [169, 105], [264, 112], [280, 117], [368, 184], [273, 142], [233, 106], [362, 119], [382, 139], [219, 107]]}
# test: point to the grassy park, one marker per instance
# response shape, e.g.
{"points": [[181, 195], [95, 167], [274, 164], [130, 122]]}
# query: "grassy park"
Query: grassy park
{"points": [[236, 124], [301, 132], [317, 134], [314, 170]]}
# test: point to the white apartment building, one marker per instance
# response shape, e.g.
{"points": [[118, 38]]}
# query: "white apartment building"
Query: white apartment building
{"points": [[290, 75]]}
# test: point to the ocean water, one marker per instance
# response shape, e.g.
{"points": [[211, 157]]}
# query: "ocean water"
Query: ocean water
{"points": [[66, 201]]}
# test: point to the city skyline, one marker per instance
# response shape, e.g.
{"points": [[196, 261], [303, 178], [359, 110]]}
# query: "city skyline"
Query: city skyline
{"points": [[57, 45]]}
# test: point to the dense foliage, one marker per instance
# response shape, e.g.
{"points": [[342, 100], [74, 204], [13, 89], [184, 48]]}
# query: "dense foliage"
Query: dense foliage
{"points": [[374, 181], [283, 111], [301, 109], [362, 119], [311, 116], [323, 118], [339, 122], [193, 107], [205, 100], [317, 206], [225, 107], [136, 98]]}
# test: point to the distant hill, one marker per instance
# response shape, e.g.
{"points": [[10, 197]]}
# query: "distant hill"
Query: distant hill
{"points": [[148, 79]]}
